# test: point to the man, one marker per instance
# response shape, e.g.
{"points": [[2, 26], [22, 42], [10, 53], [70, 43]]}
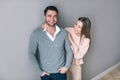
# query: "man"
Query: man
{"points": [[49, 49]]}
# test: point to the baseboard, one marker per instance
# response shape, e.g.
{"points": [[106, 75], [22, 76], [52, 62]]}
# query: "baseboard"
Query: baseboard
{"points": [[105, 72]]}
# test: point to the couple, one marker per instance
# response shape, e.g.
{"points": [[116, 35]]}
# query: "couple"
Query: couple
{"points": [[54, 50]]}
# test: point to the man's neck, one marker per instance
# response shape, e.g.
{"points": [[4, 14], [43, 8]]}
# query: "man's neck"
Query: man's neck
{"points": [[51, 29]]}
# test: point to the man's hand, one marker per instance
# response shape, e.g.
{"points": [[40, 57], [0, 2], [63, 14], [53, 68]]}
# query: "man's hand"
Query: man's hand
{"points": [[63, 69], [44, 73]]}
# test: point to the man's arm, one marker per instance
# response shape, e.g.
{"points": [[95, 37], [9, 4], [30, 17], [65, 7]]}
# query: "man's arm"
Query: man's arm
{"points": [[69, 54], [32, 54]]}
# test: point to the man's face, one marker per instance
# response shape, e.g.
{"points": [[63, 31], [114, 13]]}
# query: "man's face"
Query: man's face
{"points": [[51, 18]]}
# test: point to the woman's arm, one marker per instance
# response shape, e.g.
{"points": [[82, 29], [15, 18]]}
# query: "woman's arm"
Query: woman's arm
{"points": [[73, 44], [71, 39], [42, 26], [84, 46]]}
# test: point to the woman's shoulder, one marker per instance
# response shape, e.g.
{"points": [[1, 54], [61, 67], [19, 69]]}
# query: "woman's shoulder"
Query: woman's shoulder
{"points": [[86, 40]]}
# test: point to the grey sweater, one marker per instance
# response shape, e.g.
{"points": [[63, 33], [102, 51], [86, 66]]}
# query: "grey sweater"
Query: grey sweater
{"points": [[47, 55]]}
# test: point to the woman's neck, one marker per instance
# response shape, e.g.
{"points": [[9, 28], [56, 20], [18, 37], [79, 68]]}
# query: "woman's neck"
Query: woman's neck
{"points": [[78, 34]]}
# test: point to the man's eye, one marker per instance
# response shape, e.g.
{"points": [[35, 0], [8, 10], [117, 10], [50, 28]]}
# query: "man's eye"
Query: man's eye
{"points": [[49, 15]]}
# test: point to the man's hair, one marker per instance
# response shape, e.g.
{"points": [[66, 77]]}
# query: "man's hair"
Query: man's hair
{"points": [[53, 8]]}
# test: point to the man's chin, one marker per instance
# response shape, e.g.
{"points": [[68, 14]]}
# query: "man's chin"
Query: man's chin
{"points": [[52, 25]]}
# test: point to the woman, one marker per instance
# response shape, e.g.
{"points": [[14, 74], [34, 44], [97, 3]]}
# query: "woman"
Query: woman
{"points": [[79, 37]]}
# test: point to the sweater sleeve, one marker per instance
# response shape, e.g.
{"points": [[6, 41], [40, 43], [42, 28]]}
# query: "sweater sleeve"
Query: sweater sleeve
{"points": [[82, 49], [32, 54], [68, 50], [68, 29]]}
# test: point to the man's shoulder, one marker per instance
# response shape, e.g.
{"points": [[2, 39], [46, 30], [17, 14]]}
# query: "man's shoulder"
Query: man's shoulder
{"points": [[63, 30], [37, 30]]}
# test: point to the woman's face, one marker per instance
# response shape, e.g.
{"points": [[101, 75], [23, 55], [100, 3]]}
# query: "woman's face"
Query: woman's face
{"points": [[78, 27]]}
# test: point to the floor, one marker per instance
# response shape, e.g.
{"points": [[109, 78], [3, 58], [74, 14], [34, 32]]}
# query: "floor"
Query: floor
{"points": [[113, 75]]}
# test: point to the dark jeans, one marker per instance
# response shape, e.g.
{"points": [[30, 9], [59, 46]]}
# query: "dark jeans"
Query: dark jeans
{"points": [[54, 76]]}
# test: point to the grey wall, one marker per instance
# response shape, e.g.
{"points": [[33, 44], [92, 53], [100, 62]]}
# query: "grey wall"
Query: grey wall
{"points": [[19, 17]]}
